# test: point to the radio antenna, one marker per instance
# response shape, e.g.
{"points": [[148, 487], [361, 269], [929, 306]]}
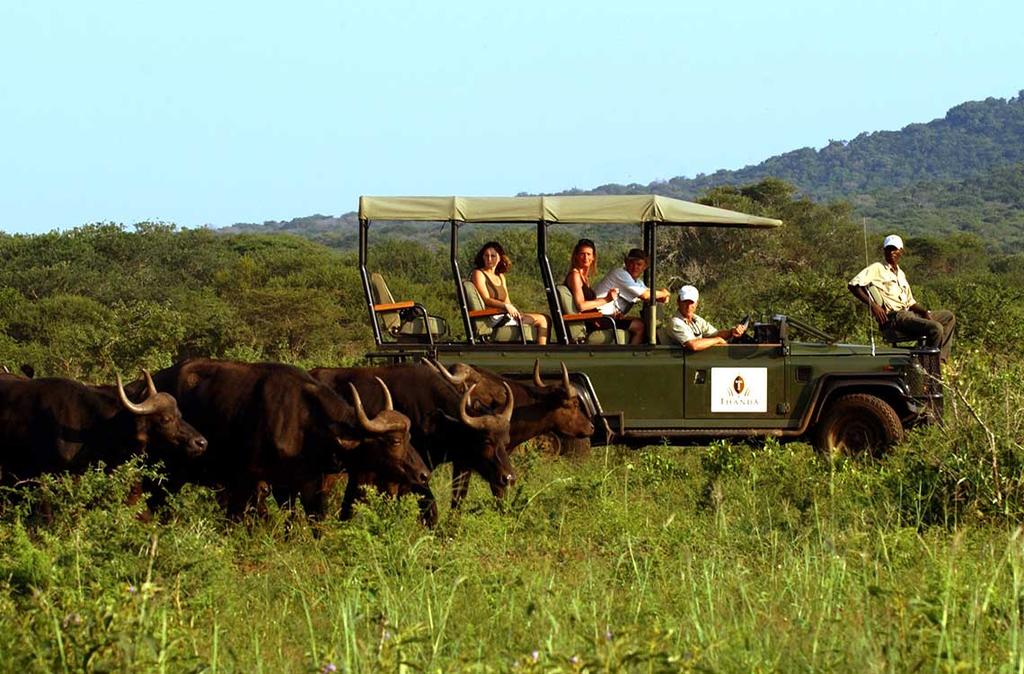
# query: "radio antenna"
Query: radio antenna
{"points": [[871, 328]]}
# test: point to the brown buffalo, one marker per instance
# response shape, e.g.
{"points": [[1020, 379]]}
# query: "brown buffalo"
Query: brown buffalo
{"points": [[443, 430], [52, 424], [540, 408], [270, 423]]}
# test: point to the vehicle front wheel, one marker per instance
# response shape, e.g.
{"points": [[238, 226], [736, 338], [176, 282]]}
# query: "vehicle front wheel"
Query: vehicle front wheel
{"points": [[858, 423]]}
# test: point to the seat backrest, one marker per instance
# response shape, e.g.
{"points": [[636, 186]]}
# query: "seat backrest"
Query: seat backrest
{"points": [[577, 329], [381, 295], [481, 326]]}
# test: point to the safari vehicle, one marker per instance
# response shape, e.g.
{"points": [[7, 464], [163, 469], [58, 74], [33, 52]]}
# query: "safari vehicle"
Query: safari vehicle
{"points": [[788, 379]]}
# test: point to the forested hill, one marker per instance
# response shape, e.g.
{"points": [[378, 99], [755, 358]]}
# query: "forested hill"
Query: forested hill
{"points": [[971, 139], [961, 173], [989, 206]]}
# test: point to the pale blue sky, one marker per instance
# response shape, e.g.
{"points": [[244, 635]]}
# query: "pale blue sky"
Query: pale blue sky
{"points": [[222, 112]]}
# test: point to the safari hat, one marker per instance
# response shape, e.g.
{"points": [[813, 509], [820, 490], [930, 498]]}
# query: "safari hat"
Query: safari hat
{"points": [[893, 240], [688, 294]]}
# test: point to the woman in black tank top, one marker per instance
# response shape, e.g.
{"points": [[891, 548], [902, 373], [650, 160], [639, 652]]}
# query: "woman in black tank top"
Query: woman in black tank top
{"points": [[491, 264]]}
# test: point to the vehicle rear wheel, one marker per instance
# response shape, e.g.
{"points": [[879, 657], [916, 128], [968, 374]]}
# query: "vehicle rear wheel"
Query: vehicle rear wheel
{"points": [[858, 423]]}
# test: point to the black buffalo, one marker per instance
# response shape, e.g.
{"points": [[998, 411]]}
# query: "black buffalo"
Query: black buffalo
{"points": [[443, 430], [540, 408], [273, 424], [52, 425]]}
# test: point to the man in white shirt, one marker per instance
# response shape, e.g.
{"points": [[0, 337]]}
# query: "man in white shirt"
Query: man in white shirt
{"points": [[692, 331], [884, 288], [627, 279]]}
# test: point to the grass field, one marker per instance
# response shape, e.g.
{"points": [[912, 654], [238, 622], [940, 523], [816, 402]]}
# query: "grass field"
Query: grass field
{"points": [[728, 557]]}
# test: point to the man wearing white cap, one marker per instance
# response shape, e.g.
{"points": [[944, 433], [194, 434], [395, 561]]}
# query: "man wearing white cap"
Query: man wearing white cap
{"points": [[884, 288], [692, 331]]}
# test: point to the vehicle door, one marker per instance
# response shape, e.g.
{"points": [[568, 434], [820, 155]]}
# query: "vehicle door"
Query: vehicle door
{"points": [[641, 383], [736, 385]]}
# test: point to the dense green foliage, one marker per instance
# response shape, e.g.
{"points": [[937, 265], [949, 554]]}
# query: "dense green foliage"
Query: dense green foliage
{"points": [[84, 302], [989, 206]]}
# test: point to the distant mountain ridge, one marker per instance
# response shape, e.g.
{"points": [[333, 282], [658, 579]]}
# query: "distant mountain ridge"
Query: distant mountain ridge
{"points": [[953, 174], [972, 138]]}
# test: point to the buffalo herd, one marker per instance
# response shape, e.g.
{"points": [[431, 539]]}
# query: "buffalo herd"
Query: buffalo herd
{"points": [[249, 429]]}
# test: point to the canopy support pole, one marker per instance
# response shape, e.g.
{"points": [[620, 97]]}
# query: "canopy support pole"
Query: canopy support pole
{"points": [[460, 292], [651, 306], [364, 226], [561, 335]]}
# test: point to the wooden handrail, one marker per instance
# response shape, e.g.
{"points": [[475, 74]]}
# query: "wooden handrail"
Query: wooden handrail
{"points": [[394, 306], [585, 316], [480, 313]]}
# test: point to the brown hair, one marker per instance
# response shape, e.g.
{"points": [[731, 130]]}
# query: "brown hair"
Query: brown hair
{"points": [[580, 245], [504, 264]]}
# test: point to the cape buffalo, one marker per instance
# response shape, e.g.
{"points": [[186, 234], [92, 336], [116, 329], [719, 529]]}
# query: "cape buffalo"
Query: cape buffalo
{"points": [[52, 424], [539, 408], [270, 423], [442, 429]]}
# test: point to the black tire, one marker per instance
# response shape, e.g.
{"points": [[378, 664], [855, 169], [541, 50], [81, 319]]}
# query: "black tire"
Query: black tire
{"points": [[858, 423]]}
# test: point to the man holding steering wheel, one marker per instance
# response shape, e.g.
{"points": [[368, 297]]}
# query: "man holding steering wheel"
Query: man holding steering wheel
{"points": [[692, 331]]}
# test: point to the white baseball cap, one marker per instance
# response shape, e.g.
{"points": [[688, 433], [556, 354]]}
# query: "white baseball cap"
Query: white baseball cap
{"points": [[688, 294], [893, 240]]}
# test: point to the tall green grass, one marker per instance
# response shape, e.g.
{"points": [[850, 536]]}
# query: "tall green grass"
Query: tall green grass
{"points": [[731, 557]]}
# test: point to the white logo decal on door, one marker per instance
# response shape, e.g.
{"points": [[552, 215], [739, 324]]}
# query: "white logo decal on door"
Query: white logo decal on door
{"points": [[739, 389]]}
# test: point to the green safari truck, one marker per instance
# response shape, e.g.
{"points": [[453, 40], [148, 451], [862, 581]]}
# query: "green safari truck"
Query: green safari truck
{"points": [[785, 379]]}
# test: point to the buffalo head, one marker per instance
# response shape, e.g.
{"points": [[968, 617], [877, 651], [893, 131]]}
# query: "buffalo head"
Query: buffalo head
{"points": [[568, 416], [387, 439], [491, 431], [159, 422]]}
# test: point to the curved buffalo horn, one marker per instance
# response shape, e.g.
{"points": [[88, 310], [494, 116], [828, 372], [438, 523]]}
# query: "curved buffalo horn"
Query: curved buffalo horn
{"points": [[150, 386], [147, 407], [510, 403], [6, 371], [486, 422], [375, 425], [537, 381], [479, 423], [457, 380], [570, 390], [388, 405], [427, 361]]}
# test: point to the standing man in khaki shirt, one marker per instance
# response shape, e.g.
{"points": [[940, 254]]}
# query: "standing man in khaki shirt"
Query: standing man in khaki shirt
{"points": [[884, 288]]}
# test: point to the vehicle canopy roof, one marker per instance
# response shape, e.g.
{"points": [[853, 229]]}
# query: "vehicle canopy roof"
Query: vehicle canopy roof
{"points": [[597, 209]]}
